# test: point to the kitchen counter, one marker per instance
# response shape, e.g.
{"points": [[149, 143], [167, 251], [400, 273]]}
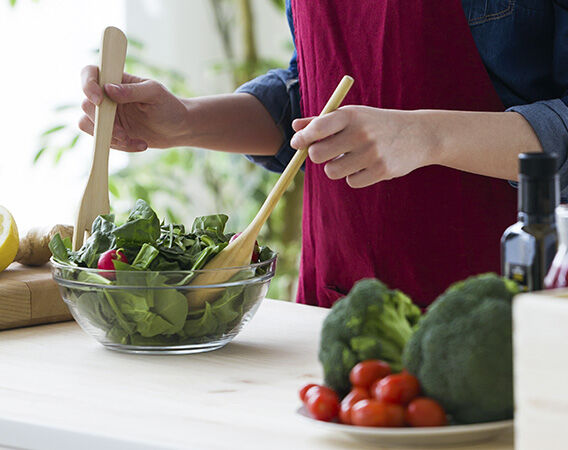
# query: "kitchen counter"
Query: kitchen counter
{"points": [[60, 389]]}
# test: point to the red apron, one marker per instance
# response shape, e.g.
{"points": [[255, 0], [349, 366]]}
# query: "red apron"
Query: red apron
{"points": [[434, 226]]}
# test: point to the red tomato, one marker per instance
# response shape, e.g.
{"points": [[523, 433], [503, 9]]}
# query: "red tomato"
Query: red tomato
{"points": [[425, 412], [347, 403], [373, 413], [321, 404], [304, 390], [398, 388], [367, 372], [106, 261], [255, 252], [318, 388]]}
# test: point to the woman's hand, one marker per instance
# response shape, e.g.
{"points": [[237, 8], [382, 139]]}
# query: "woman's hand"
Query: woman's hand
{"points": [[147, 115], [366, 145]]}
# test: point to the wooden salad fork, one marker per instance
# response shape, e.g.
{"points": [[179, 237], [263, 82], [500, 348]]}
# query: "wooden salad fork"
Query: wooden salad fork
{"points": [[238, 253], [95, 199]]}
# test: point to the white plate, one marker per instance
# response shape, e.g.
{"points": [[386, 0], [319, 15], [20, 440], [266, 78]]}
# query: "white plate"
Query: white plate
{"points": [[430, 436]]}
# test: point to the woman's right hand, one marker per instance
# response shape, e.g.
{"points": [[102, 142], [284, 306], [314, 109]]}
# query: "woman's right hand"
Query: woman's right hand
{"points": [[147, 114]]}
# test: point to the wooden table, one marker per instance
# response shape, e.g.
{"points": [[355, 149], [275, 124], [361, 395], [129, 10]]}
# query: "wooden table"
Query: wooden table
{"points": [[60, 389]]}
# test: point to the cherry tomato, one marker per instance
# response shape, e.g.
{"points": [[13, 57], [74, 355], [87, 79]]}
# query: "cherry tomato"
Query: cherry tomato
{"points": [[106, 261], [318, 388], [347, 403], [255, 252], [373, 413], [321, 404], [398, 388], [367, 372], [425, 412], [304, 390]]}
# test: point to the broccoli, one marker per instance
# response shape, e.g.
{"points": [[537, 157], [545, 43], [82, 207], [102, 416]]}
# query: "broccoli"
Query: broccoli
{"points": [[371, 322], [461, 351]]}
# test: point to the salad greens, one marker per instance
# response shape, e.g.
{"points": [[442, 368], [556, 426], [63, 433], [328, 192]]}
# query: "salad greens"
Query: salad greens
{"points": [[141, 303]]}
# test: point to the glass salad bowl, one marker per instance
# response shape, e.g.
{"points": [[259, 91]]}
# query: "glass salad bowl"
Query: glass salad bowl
{"points": [[162, 312]]}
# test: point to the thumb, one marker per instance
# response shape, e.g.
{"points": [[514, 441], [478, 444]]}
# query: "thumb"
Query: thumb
{"points": [[144, 92], [298, 124]]}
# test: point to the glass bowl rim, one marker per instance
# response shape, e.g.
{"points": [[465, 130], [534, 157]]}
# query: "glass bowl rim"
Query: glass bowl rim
{"points": [[140, 273]]}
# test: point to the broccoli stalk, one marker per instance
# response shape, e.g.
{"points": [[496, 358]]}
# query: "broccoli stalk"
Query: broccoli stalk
{"points": [[371, 322]]}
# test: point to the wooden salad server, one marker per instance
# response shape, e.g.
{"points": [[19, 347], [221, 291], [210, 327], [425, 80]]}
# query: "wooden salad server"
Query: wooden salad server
{"points": [[238, 253], [95, 198]]}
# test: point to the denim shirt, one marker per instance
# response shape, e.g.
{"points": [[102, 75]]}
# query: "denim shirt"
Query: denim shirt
{"points": [[524, 47]]}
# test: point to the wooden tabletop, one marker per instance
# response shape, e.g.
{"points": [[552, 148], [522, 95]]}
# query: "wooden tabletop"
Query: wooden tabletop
{"points": [[60, 389]]}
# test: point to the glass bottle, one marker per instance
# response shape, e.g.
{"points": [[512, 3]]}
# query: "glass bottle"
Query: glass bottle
{"points": [[557, 276], [528, 246]]}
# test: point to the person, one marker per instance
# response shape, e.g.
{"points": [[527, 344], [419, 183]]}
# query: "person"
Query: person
{"points": [[411, 181]]}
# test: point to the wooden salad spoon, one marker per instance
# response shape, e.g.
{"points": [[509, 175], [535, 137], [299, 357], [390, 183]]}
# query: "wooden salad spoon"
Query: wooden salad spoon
{"points": [[95, 199], [238, 253]]}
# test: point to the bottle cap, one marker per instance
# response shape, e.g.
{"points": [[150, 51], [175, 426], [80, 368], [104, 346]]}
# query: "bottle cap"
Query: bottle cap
{"points": [[537, 165]]}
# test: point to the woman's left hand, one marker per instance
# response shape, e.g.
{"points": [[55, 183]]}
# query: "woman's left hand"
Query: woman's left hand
{"points": [[366, 145]]}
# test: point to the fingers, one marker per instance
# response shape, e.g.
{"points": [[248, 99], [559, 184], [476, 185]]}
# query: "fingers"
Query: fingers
{"points": [[332, 147], [90, 83], [147, 91], [299, 124], [120, 140], [320, 128], [344, 166], [89, 109], [365, 177]]}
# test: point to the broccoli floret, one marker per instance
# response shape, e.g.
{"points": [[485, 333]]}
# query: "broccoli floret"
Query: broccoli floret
{"points": [[371, 322], [461, 351]]}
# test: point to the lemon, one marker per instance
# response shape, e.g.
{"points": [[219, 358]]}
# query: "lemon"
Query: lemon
{"points": [[9, 239]]}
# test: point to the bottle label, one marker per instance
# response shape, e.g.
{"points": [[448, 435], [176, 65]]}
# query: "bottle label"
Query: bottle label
{"points": [[520, 274]]}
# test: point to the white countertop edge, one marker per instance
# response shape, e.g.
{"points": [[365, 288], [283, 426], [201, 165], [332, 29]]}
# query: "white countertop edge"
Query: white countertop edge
{"points": [[30, 436]]}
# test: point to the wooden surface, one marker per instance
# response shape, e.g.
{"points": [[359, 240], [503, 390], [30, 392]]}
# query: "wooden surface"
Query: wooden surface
{"points": [[29, 296], [541, 360], [60, 389]]}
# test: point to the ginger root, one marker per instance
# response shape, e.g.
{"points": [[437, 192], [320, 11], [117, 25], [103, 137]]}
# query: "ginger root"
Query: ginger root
{"points": [[34, 250]]}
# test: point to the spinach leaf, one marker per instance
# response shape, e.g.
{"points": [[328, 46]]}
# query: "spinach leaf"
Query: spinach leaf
{"points": [[92, 278], [95, 308], [100, 240], [59, 250], [126, 325], [214, 222], [203, 326], [152, 309], [172, 306], [141, 226], [145, 256]]}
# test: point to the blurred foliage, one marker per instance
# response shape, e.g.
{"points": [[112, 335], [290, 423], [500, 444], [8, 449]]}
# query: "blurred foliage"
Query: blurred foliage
{"points": [[181, 183]]}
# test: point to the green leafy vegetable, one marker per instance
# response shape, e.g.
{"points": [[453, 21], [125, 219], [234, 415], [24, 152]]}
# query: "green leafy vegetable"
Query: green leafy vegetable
{"points": [[371, 322], [462, 349], [144, 302]]}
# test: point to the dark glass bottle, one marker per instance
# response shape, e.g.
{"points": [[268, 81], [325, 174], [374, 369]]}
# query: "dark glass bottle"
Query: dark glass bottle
{"points": [[528, 247]]}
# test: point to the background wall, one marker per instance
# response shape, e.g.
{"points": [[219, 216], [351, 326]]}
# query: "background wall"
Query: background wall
{"points": [[44, 44], [45, 159]]}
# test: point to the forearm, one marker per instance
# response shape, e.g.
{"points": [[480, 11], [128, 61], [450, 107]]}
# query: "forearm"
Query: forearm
{"points": [[484, 143], [236, 123]]}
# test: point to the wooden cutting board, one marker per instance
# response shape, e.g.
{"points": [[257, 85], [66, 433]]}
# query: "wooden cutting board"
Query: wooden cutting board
{"points": [[29, 296]]}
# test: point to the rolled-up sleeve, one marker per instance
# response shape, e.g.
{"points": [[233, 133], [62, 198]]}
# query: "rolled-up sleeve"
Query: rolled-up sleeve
{"points": [[279, 92], [549, 118]]}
